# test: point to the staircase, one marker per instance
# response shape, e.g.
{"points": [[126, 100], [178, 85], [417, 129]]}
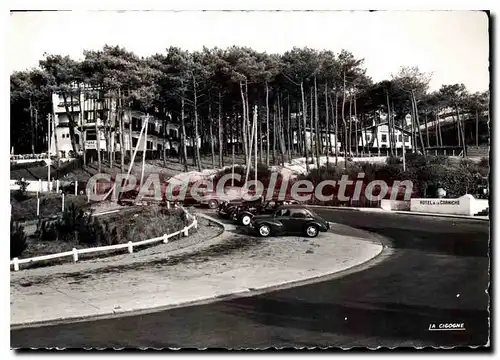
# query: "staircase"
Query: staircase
{"points": [[478, 151]]}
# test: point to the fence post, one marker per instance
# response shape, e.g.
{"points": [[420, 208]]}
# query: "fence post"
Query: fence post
{"points": [[186, 231], [16, 264], [130, 247], [62, 201], [57, 186], [195, 222], [37, 206], [168, 205], [75, 255], [165, 238], [76, 188]]}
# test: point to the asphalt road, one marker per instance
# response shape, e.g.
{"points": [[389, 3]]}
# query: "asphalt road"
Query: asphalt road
{"points": [[437, 272]]}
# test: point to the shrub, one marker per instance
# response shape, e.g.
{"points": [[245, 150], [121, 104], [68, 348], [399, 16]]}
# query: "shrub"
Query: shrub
{"points": [[393, 160], [46, 230], [18, 240], [21, 193], [484, 162]]}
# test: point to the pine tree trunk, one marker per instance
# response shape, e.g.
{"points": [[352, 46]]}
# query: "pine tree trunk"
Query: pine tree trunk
{"points": [[304, 116], [56, 142], [328, 140], [477, 128], [356, 141], [130, 135], [274, 134], [300, 133], [36, 129], [343, 118], [122, 135], [210, 126], [350, 125], [436, 128], [336, 128], [196, 148], [81, 99], [267, 125], [261, 145], [244, 129], [280, 132], [183, 136], [288, 132], [251, 144], [219, 123], [316, 123], [418, 126], [32, 128], [71, 123], [462, 131], [427, 130], [311, 125], [389, 124], [97, 136], [248, 120]]}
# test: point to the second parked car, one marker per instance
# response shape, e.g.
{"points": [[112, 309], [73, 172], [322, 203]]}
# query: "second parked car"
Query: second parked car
{"points": [[289, 220]]}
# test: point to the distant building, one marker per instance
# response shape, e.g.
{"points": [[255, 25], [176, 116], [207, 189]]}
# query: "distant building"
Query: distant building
{"points": [[377, 136], [323, 135], [86, 112]]}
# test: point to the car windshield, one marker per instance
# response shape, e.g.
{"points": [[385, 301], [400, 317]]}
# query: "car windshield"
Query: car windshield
{"points": [[314, 214]]}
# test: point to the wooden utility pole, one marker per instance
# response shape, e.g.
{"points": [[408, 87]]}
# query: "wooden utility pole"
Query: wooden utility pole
{"points": [[145, 147], [255, 116], [48, 149]]}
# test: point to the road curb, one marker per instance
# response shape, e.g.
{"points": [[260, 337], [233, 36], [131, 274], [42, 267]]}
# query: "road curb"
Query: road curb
{"points": [[381, 211], [249, 292], [373, 260]]}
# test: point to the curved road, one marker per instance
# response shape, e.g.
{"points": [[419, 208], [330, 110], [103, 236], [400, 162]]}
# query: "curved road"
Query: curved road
{"points": [[437, 272]]}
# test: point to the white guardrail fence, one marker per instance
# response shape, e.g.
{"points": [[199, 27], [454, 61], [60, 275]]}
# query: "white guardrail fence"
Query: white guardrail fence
{"points": [[130, 246]]}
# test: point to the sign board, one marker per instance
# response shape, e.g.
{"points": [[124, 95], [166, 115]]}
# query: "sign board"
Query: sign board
{"points": [[464, 205], [91, 144]]}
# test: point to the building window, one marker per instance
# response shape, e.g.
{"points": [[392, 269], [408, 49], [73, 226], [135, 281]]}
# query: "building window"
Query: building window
{"points": [[400, 138], [89, 115], [91, 135], [134, 142], [384, 137], [136, 124], [407, 138], [149, 145]]}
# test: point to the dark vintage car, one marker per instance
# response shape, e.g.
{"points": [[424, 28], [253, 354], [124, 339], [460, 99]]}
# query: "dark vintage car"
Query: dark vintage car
{"points": [[233, 209], [289, 220], [244, 214]]}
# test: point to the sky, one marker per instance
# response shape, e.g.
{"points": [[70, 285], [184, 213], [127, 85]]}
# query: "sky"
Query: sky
{"points": [[452, 45]]}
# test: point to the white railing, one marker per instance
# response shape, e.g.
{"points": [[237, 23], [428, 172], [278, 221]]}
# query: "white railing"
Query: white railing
{"points": [[130, 246]]}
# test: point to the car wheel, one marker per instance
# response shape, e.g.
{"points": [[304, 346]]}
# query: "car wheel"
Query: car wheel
{"points": [[213, 204], [264, 230], [245, 220], [312, 231]]}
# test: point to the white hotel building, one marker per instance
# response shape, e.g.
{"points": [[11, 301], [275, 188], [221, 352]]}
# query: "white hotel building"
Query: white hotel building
{"points": [[86, 112]]}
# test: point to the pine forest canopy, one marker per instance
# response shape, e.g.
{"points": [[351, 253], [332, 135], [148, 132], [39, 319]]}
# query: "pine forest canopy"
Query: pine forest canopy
{"points": [[220, 89]]}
